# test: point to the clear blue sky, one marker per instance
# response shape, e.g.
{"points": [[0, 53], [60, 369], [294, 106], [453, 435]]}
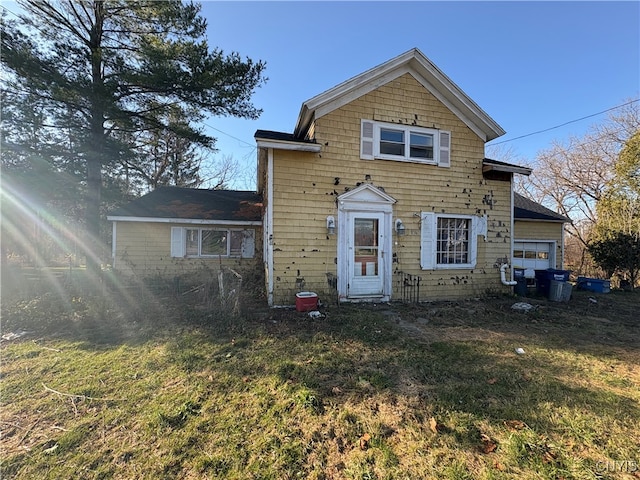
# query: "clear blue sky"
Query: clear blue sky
{"points": [[529, 65]]}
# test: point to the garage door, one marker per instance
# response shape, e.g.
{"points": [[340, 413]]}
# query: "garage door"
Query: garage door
{"points": [[536, 255]]}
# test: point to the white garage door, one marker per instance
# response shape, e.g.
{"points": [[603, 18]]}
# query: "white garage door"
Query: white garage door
{"points": [[536, 255]]}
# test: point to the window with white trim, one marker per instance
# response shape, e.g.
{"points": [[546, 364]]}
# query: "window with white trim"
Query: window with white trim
{"points": [[212, 242], [391, 141], [449, 241], [453, 241]]}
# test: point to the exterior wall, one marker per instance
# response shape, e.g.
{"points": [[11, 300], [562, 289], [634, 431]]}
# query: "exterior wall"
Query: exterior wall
{"points": [[306, 185], [144, 250], [541, 231]]}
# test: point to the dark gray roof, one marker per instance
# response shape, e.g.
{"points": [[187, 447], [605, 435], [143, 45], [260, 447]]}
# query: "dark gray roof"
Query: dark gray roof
{"points": [[525, 209], [491, 164], [280, 136], [194, 204]]}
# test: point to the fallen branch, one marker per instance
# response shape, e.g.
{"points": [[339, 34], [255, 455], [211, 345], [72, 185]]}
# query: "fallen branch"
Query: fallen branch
{"points": [[28, 432], [47, 348], [194, 289], [83, 397]]}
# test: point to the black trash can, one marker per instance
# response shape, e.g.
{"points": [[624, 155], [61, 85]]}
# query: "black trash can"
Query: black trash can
{"points": [[520, 288]]}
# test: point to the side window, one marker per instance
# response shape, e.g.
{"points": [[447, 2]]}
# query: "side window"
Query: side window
{"points": [[449, 241], [242, 243], [207, 242]]}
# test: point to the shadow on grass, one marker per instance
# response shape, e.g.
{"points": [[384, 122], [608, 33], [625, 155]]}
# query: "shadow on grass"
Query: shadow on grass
{"points": [[101, 314], [456, 363]]}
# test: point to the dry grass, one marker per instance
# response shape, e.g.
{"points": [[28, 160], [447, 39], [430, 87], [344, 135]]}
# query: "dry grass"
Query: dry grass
{"points": [[387, 392]]}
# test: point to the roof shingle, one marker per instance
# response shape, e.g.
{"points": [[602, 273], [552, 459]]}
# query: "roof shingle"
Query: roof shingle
{"points": [[194, 204], [525, 209]]}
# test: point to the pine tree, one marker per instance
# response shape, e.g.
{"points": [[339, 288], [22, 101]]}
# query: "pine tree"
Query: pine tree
{"points": [[102, 69]]}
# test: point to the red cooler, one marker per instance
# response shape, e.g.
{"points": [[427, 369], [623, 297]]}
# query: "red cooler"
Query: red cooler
{"points": [[306, 301]]}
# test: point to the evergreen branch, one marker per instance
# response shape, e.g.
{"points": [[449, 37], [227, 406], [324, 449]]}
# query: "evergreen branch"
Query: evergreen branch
{"points": [[79, 17], [53, 18]]}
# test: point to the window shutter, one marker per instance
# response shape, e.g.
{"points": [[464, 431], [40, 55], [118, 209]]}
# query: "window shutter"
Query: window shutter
{"points": [[366, 140], [248, 244], [444, 159], [428, 241], [481, 226], [177, 242]]}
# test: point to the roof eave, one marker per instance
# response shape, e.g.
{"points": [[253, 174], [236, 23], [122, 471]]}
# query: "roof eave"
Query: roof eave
{"points": [[194, 221], [285, 145], [492, 167], [550, 220]]}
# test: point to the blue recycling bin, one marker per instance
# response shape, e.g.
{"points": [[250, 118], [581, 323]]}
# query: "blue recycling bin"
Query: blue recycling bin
{"points": [[544, 278]]}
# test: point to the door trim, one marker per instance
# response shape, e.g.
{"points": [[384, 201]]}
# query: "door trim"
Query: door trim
{"points": [[366, 198]]}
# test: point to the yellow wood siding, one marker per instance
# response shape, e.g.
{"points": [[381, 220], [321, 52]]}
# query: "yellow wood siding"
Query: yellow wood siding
{"points": [[541, 231], [144, 250], [306, 185]]}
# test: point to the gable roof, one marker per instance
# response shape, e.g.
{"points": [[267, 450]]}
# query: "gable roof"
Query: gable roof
{"points": [[525, 209], [176, 203], [424, 71]]}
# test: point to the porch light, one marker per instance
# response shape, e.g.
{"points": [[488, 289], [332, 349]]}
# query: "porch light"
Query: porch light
{"points": [[331, 225], [400, 227]]}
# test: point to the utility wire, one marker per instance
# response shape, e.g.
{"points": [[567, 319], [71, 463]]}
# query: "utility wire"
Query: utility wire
{"points": [[565, 123], [9, 11], [228, 135]]}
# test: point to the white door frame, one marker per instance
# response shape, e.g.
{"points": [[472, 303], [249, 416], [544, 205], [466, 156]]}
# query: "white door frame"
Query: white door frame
{"points": [[365, 200]]}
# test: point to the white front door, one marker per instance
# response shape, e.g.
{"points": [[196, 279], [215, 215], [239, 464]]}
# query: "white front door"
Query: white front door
{"points": [[366, 255]]}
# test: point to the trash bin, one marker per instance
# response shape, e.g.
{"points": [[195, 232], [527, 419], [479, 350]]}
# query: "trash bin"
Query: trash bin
{"points": [[544, 278], [594, 285], [560, 291], [520, 288]]}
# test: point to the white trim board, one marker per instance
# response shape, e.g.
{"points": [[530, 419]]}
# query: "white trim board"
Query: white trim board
{"points": [[194, 221]]}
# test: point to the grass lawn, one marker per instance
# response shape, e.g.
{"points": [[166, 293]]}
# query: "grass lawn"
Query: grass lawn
{"points": [[160, 389]]}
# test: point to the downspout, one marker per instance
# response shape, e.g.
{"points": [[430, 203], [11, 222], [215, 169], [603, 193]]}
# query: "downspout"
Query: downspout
{"points": [[503, 276], [561, 248], [504, 266], [113, 246], [512, 235], [269, 229]]}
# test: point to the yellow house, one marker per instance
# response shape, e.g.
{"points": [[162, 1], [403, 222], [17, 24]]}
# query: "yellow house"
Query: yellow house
{"points": [[383, 191], [173, 231]]}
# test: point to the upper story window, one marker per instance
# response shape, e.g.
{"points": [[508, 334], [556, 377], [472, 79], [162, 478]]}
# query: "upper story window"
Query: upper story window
{"points": [[389, 141]]}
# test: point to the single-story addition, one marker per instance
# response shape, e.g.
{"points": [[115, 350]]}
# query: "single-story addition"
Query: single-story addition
{"points": [[538, 235], [171, 231]]}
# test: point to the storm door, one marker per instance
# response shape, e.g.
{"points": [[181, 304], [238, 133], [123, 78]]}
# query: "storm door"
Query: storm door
{"points": [[366, 255]]}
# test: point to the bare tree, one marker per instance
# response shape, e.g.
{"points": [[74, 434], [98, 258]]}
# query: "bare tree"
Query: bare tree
{"points": [[572, 178], [219, 174]]}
